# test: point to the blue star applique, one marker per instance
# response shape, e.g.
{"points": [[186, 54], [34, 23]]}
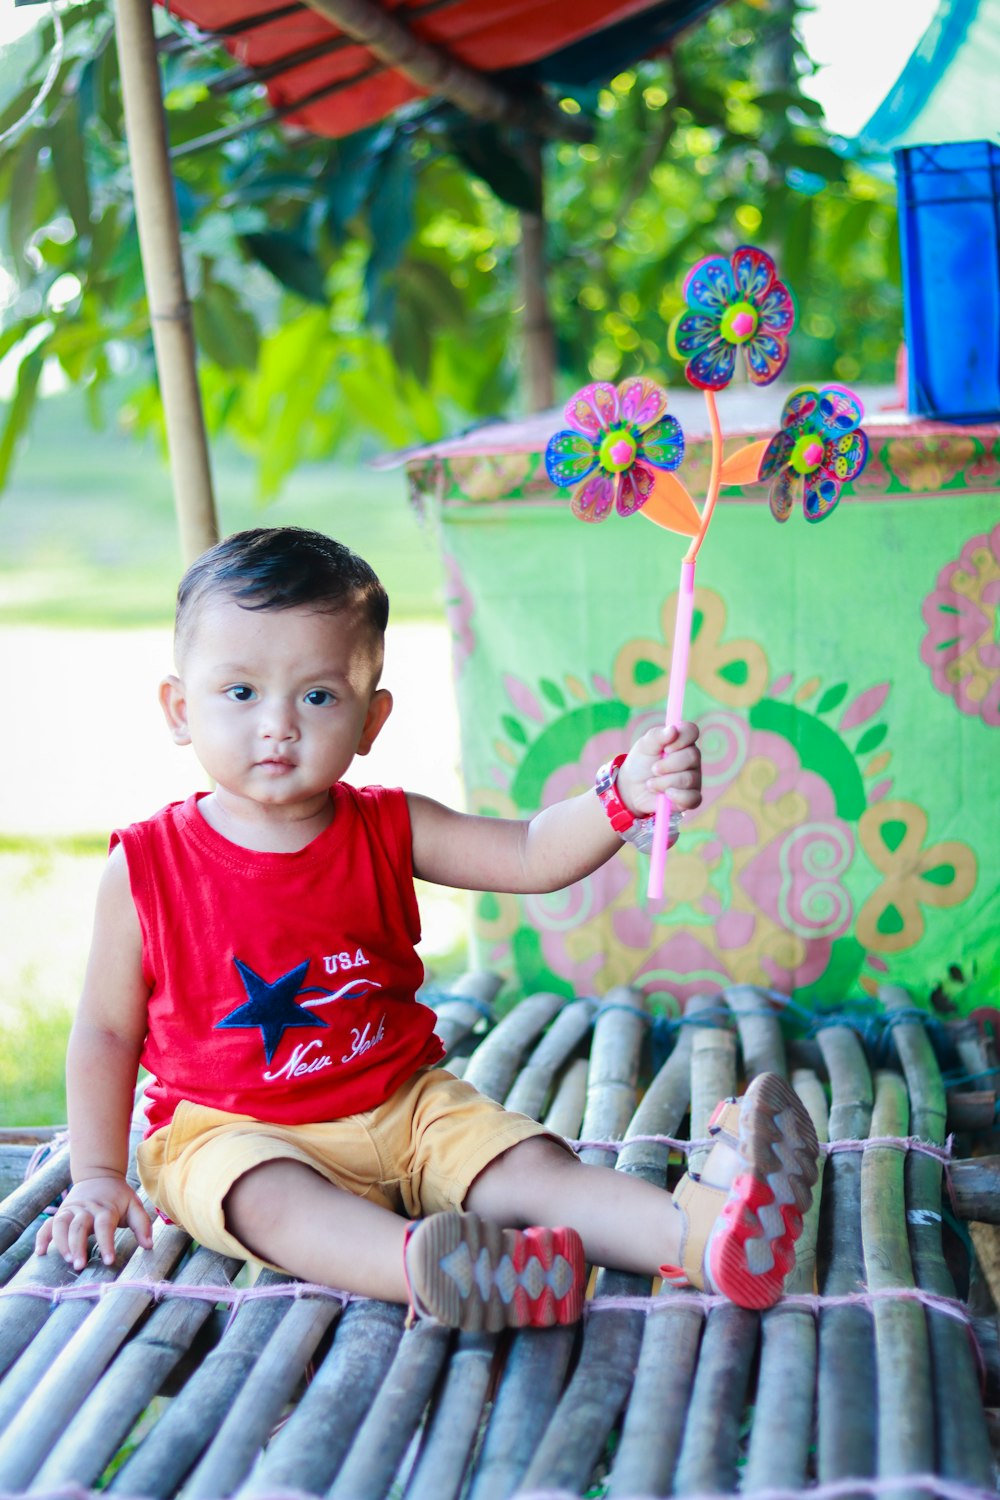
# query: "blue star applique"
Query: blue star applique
{"points": [[272, 1007]]}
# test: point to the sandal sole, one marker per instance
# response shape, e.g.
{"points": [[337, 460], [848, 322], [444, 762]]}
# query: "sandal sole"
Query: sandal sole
{"points": [[751, 1251], [470, 1274]]}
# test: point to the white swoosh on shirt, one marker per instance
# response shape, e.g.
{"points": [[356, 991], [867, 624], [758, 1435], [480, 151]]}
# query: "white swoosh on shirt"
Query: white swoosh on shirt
{"points": [[352, 984]]}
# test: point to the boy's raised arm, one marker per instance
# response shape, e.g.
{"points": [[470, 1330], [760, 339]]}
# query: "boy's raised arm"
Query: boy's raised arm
{"points": [[101, 1068], [561, 843]]}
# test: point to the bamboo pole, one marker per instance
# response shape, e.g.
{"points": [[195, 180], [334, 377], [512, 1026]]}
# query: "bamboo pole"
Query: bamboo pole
{"points": [[759, 1027], [469, 1000], [538, 339], [269, 1387], [531, 1088], [450, 1435], [531, 1382], [436, 71], [119, 1398], [163, 268], [170, 1451], [394, 1416], [905, 1395], [962, 1440], [494, 1065], [305, 1455]]}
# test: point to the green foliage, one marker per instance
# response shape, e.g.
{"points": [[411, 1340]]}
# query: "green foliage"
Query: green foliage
{"points": [[367, 288]]}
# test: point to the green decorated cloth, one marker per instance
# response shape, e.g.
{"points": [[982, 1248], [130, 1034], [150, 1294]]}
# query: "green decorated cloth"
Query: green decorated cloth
{"points": [[846, 678]]}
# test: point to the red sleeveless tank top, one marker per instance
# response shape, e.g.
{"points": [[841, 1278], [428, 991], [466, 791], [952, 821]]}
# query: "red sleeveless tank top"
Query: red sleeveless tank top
{"points": [[281, 985]]}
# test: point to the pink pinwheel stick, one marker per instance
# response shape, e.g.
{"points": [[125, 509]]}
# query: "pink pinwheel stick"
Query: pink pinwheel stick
{"points": [[675, 710], [682, 649]]}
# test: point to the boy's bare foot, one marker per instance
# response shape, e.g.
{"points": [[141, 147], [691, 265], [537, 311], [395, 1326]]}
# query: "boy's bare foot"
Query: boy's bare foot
{"points": [[469, 1273], [744, 1211]]}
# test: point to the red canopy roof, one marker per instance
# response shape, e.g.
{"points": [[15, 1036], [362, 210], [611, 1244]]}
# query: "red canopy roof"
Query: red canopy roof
{"points": [[325, 82]]}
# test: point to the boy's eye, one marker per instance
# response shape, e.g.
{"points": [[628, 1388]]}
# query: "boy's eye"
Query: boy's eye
{"points": [[319, 698], [240, 693]]}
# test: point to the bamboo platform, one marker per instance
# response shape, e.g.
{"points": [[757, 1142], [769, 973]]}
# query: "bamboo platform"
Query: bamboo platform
{"points": [[175, 1373]]}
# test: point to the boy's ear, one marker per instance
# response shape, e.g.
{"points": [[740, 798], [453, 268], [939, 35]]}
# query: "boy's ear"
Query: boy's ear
{"points": [[174, 705], [379, 710]]}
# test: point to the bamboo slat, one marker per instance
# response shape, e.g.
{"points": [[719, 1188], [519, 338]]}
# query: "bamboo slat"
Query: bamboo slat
{"points": [[33, 1356], [533, 1084], [974, 1188], [962, 1441], [468, 1003], [21, 1209], [707, 1463], [565, 1113], [118, 1399], [846, 1394], [61, 1391], [450, 1437], [495, 1063], [761, 1039], [170, 1451], [532, 1379], [385, 1435], [269, 1387], [905, 1404], [307, 1452]]}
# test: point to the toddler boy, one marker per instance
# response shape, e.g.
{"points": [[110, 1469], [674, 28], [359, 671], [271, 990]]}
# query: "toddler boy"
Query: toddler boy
{"points": [[254, 948]]}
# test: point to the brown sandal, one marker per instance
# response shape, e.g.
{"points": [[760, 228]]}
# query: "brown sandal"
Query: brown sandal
{"points": [[738, 1239], [469, 1273]]}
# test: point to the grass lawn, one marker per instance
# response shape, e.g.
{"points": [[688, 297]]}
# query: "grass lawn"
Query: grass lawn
{"points": [[88, 540], [88, 536]]}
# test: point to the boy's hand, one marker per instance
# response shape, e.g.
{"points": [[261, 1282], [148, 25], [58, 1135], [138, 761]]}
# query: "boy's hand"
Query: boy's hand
{"points": [[95, 1205], [662, 760]]}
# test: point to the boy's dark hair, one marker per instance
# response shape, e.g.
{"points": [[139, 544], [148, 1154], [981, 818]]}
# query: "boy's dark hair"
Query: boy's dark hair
{"points": [[283, 567]]}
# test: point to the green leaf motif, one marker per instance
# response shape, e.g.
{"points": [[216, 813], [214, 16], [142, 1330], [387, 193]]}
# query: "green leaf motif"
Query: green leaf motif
{"points": [[553, 693], [941, 875], [831, 698], [644, 672], [893, 834], [890, 921], [872, 738], [514, 729], [736, 672]]}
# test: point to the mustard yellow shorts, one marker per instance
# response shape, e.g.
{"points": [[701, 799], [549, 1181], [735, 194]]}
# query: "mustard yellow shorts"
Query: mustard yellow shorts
{"points": [[416, 1154]]}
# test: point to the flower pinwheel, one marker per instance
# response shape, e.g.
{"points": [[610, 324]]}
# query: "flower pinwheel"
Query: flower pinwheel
{"points": [[819, 447], [734, 302], [619, 437]]}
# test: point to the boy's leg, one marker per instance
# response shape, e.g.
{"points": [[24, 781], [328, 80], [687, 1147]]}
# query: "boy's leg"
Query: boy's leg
{"points": [[731, 1231], [286, 1213]]}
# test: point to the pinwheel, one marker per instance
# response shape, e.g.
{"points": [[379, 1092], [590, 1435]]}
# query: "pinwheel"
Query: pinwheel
{"points": [[819, 447], [617, 440], [734, 303]]}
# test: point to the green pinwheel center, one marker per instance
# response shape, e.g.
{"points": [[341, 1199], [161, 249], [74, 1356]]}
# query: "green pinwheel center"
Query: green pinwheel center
{"points": [[739, 322], [807, 455], [618, 450]]}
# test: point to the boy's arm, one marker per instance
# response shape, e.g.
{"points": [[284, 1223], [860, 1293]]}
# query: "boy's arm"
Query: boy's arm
{"points": [[101, 1067], [561, 843]]}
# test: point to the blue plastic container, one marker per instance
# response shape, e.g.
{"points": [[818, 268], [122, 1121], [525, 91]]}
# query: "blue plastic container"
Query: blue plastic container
{"points": [[949, 220]]}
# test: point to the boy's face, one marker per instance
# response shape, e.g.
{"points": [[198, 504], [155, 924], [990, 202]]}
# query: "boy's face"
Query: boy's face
{"points": [[277, 703]]}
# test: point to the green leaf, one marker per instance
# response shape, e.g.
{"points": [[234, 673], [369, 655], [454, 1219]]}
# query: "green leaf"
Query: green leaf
{"points": [[290, 261], [500, 158], [23, 189], [70, 166], [224, 327], [20, 409], [390, 219], [872, 738]]}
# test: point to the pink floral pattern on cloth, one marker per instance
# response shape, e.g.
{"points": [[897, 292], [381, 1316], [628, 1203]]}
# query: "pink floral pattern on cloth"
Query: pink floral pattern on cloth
{"points": [[962, 644], [754, 889]]}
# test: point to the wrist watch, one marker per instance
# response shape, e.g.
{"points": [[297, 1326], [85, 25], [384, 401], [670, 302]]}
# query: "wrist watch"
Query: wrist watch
{"points": [[629, 828]]}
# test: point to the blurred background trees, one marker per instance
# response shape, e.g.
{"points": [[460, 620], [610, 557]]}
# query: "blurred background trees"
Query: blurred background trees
{"points": [[366, 291]]}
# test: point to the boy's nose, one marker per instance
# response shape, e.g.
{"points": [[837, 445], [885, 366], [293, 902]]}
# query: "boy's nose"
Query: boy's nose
{"points": [[278, 723]]}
